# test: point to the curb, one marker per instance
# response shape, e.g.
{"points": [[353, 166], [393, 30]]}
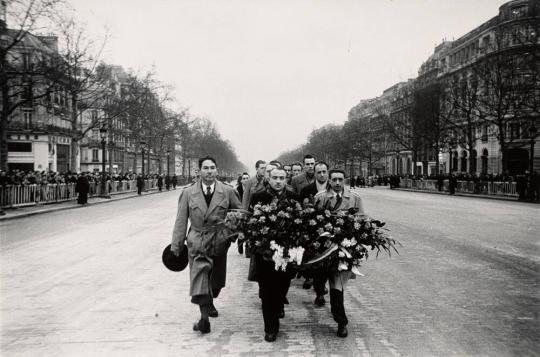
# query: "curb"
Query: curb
{"points": [[8, 217]]}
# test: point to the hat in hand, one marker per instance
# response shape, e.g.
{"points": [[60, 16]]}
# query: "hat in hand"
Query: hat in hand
{"points": [[173, 262]]}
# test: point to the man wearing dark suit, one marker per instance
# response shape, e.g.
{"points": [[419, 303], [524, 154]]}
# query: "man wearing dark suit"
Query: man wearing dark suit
{"points": [[204, 204], [320, 183], [305, 178], [254, 184], [273, 285]]}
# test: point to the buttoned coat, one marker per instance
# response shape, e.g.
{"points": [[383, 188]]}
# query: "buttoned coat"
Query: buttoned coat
{"points": [[207, 236], [327, 200], [300, 181]]}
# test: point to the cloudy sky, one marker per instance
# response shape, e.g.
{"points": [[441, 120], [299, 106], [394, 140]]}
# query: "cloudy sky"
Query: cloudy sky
{"points": [[267, 72]]}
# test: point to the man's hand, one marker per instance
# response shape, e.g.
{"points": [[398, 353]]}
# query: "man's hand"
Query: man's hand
{"points": [[176, 251]]}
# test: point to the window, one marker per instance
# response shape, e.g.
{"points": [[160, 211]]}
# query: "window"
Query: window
{"points": [[519, 11], [26, 62], [19, 147], [95, 154], [514, 131], [27, 118], [85, 155]]}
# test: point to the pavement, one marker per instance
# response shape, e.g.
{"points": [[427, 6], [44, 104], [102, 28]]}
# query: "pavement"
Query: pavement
{"points": [[89, 282], [31, 210]]}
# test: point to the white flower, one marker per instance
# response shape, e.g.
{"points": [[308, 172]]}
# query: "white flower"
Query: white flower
{"points": [[296, 254], [346, 243], [272, 218], [343, 265], [341, 254], [357, 226]]}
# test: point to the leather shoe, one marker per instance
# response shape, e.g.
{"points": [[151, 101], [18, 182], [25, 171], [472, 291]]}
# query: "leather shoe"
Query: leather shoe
{"points": [[270, 336], [203, 326], [282, 313], [342, 331], [213, 311], [319, 301], [307, 284]]}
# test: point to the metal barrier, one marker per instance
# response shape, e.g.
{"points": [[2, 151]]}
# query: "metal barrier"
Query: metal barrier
{"points": [[18, 196], [481, 187]]}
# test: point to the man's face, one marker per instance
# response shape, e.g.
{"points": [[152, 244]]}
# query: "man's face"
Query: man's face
{"points": [[337, 181], [309, 165], [288, 170], [296, 170], [278, 179], [261, 170], [269, 169], [244, 179], [321, 173], [208, 171]]}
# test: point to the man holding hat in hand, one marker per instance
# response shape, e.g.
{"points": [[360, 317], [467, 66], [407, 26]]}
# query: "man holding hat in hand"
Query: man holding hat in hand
{"points": [[205, 204]]}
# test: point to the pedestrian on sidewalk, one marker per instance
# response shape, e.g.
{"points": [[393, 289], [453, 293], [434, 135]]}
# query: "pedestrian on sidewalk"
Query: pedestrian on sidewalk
{"points": [[140, 184], [160, 182], [337, 198], [205, 205], [82, 188]]}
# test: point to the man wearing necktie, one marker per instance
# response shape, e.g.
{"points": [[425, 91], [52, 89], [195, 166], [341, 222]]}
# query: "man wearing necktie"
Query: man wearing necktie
{"points": [[337, 198], [205, 205]]}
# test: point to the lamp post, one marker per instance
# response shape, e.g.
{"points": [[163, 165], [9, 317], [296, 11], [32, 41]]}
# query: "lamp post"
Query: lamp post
{"points": [[532, 135], [451, 145], [398, 160], [103, 135], [168, 155], [143, 145]]}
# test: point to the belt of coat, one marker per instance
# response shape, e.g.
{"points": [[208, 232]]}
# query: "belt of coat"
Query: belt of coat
{"points": [[209, 245]]}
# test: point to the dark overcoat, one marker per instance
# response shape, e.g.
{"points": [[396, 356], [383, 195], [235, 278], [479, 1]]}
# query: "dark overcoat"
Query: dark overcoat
{"points": [[82, 187], [207, 236]]}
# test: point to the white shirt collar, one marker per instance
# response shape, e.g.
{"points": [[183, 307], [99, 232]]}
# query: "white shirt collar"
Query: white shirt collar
{"points": [[320, 187], [212, 187]]}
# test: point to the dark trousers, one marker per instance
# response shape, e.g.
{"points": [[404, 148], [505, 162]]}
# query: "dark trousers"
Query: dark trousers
{"points": [[139, 189], [273, 287], [337, 305]]}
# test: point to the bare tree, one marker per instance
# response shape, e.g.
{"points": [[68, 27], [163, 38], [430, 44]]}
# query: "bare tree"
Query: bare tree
{"points": [[24, 60]]}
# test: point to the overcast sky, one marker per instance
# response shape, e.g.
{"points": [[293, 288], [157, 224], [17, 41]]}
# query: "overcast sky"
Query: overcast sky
{"points": [[268, 72]]}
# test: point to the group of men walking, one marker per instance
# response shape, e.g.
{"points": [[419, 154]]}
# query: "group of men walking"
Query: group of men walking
{"points": [[205, 205]]}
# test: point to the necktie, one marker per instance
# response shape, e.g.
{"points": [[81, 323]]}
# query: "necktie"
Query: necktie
{"points": [[208, 190], [339, 199]]}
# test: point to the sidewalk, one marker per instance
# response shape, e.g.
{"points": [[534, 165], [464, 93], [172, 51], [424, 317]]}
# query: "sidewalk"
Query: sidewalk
{"points": [[19, 212], [491, 197]]}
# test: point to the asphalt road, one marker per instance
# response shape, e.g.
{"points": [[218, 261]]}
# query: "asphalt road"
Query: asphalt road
{"points": [[90, 282]]}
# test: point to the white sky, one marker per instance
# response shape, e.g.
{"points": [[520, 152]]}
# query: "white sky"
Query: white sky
{"points": [[267, 72]]}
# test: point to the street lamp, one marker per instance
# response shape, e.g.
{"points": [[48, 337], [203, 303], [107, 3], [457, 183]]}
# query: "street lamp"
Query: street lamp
{"points": [[143, 146], [532, 135], [168, 154], [398, 160], [103, 136], [451, 144]]}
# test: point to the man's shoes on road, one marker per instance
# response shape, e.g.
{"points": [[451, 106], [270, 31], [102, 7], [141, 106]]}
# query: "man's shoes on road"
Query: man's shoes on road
{"points": [[203, 326], [307, 284], [342, 331], [319, 301], [270, 336], [213, 311]]}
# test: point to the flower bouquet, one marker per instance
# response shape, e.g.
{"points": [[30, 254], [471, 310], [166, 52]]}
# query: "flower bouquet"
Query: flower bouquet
{"points": [[286, 233]]}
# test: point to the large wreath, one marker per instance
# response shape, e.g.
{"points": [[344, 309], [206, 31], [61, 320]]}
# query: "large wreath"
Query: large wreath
{"points": [[307, 238]]}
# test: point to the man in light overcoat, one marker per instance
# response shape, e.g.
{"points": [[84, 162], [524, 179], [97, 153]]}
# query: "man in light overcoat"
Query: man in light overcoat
{"points": [[205, 204]]}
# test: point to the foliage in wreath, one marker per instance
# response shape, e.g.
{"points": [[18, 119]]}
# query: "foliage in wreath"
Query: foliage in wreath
{"points": [[308, 238]]}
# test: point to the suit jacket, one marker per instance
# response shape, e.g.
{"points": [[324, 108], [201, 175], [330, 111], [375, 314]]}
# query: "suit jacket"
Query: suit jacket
{"points": [[327, 199], [300, 181], [308, 192], [252, 185]]}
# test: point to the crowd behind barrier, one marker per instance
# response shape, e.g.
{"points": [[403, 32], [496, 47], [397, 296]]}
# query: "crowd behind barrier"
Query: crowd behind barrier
{"points": [[519, 186]]}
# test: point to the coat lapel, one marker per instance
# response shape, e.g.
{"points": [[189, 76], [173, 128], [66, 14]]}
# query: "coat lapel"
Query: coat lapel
{"points": [[217, 197], [198, 198]]}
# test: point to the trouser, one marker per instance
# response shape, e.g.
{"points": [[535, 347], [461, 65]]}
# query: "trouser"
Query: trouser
{"points": [[273, 287], [338, 282]]}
